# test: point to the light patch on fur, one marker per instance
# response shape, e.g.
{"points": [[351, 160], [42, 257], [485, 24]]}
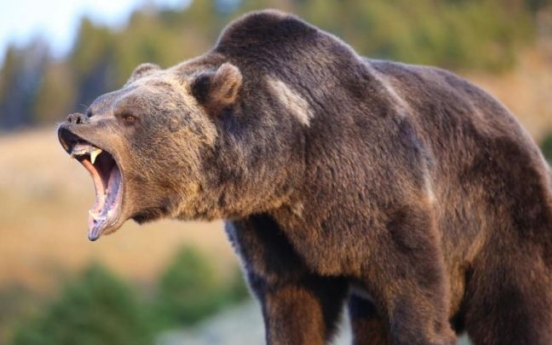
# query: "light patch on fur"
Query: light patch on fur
{"points": [[291, 100], [429, 189], [297, 209], [391, 90]]}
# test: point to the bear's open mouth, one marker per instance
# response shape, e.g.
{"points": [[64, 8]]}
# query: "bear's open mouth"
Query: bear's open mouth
{"points": [[108, 184]]}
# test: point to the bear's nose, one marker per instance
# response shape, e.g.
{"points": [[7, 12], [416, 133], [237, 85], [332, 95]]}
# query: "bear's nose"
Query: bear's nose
{"points": [[77, 119]]}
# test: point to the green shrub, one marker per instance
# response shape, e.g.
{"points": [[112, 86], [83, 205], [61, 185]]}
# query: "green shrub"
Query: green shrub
{"points": [[189, 290], [97, 308], [546, 147], [93, 309], [236, 290]]}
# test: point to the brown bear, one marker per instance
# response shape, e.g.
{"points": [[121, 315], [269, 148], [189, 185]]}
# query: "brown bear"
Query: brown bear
{"points": [[402, 191]]}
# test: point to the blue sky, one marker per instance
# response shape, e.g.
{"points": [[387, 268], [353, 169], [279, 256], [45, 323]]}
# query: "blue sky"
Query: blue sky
{"points": [[57, 20]]}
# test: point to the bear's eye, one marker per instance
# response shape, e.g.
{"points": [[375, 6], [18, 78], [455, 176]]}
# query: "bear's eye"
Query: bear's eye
{"points": [[128, 118]]}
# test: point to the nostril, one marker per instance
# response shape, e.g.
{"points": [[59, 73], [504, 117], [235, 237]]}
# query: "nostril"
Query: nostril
{"points": [[76, 119]]}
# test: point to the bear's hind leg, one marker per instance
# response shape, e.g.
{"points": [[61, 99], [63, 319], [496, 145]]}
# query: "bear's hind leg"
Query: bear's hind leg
{"points": [[407, 280], [509, 300]]}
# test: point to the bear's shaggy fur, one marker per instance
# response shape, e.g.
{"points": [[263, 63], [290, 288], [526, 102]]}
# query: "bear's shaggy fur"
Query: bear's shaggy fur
{"points": [[403, 191]]}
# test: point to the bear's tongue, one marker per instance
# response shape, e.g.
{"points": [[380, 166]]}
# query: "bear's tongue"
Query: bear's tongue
{"points": [[106, 209], [107, 183]]}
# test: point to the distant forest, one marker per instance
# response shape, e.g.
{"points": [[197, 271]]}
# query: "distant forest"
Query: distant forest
{"points": [[37, 89]]}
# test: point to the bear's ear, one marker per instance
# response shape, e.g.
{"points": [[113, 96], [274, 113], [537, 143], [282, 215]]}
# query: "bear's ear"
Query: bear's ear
{"points": [[142, 71], [219, 90]]}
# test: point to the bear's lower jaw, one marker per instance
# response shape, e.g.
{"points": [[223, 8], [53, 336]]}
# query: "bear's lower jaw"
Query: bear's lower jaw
{"points": [[104, 215]]}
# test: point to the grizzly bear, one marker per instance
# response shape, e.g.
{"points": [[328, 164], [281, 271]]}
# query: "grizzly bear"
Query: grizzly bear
{"points": [[404, 192]]}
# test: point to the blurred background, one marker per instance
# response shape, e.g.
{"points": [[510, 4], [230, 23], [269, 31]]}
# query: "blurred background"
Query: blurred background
{"points": [[176, 282]]}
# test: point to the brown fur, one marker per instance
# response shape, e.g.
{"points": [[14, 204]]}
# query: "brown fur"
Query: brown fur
{"points": [[403, 189]]}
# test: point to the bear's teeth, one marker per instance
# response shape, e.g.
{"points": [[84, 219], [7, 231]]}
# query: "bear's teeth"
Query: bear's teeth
{"points": [[77, 152], [94, 153]]}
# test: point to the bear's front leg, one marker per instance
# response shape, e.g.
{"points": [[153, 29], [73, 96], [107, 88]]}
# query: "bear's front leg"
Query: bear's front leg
{"points": [[367, 325], [300, 313], [299, 307]]}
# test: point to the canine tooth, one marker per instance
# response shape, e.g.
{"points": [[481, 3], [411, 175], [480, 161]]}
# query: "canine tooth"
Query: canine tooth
{"points": [[94, 154]]}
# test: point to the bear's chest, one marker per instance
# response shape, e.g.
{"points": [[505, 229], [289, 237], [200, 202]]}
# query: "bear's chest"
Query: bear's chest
{"points": [[284, 243]]}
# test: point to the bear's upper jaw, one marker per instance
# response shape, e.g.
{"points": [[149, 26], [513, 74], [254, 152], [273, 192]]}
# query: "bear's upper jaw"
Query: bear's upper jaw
{"points": [[107, 179]]}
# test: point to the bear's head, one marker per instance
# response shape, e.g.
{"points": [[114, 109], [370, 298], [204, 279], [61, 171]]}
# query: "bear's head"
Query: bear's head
{"points": [[146, 144]]}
